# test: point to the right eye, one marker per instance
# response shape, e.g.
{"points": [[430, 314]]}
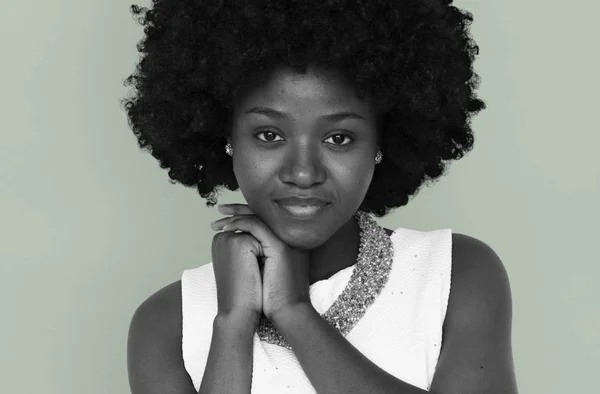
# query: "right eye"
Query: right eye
{"points": [[268, 132]]}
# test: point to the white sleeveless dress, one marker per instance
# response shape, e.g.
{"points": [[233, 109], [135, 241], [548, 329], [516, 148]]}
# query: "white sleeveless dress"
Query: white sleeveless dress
{"points": [[401, 332]]}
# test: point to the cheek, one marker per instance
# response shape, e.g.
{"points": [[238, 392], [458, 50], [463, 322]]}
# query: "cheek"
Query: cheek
{"points": [[353, 180], [252, 174]]}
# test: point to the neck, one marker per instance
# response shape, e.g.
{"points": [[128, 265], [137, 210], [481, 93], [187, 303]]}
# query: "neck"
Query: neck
{"points": [[339, 252]]}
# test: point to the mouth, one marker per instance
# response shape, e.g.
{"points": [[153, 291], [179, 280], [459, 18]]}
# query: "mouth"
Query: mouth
{"points": [[302, 211]]}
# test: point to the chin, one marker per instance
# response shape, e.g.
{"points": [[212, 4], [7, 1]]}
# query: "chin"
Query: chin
{"points": [[302, 234], [302, 240]]}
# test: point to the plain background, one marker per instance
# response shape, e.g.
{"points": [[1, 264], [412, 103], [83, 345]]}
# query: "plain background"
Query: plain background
{"points": [[90, 225]]}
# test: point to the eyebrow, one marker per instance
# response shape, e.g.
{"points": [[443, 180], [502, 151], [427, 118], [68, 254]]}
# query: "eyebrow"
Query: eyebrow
{"points": [[335, 117]]}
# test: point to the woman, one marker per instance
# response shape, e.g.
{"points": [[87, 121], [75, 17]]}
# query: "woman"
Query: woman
{"points": [[321, 113]]}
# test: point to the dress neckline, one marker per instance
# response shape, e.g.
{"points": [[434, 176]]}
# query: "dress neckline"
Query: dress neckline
{"points": [[368, 276], [351, 267]]}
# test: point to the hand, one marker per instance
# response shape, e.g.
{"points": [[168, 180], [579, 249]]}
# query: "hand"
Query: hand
{"points": [[285, 279], [237, 276]]}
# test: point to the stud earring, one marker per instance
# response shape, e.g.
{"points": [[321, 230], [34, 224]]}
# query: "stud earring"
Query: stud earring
{"points": [[229, 149], [378, 157]]}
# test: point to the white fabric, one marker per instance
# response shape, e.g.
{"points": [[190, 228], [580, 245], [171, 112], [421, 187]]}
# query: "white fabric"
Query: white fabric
{"points": [[401, 331]]}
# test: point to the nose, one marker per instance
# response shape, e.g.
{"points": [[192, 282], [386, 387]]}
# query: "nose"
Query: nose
{"points": [[303, 167]]}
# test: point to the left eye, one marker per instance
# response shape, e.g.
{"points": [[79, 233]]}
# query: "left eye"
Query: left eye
{"points": [[343, 136]]}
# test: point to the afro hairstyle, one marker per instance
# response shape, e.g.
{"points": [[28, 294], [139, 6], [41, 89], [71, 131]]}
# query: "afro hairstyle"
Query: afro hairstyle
{"points": [[414, 57]]}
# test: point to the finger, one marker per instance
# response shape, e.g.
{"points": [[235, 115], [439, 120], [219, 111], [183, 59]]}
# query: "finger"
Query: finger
{"points": [[235, 209], [220, 223], [259, 230]]}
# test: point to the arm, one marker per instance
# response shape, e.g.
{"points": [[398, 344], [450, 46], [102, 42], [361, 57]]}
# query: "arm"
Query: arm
{"points": [[229, 365], [476, 355], [330, 362], [154, 359], [154, 355]]}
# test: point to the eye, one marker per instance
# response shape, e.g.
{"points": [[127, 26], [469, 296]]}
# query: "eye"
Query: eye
{"points": [[267, 132], [342, 136]]}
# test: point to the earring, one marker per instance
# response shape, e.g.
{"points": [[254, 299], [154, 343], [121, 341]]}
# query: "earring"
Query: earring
{"points": [[378, 157], [229, 149]]}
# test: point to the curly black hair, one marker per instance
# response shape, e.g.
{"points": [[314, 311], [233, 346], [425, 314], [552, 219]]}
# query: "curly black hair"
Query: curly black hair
{"points": [[414, 57]]}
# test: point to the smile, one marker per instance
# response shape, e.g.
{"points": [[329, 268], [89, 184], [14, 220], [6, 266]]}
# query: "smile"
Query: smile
{"points": [[303, 211]]}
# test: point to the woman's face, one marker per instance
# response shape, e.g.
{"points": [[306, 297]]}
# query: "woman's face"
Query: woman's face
{"points": [[299, 152]]}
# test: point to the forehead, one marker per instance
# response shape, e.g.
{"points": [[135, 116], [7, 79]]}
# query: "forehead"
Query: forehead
{"points": [[316, 90]]}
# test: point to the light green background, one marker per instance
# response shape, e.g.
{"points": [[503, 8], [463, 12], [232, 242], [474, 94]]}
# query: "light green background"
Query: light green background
{"points": [[90, 227]]}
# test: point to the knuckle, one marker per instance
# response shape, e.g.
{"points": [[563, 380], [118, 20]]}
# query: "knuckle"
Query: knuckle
{"points": [[220, 238], [239, 241], [230, 238], [240, 238]]}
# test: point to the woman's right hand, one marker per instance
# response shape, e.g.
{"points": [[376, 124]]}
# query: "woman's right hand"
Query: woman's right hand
{"points": [[237, 275]]}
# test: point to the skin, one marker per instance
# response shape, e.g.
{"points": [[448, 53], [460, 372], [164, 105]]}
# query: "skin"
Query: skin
{"points": [[306, 155]]}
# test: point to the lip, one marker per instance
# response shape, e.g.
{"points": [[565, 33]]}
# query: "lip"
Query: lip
{"points": [[298, 201], [302, 211]]}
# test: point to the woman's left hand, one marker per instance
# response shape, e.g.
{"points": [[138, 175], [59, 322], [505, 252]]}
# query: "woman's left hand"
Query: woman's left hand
{"points": [[284, 270]]}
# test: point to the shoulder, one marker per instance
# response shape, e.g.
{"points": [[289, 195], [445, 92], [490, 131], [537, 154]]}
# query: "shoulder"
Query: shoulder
{"points": [[476, 267], [159, 316], [162, 309], [479, 281], [476, 343], [154, 354]]}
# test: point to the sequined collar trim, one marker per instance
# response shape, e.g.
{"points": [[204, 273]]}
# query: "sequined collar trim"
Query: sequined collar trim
{"points": [[369, 276]]}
